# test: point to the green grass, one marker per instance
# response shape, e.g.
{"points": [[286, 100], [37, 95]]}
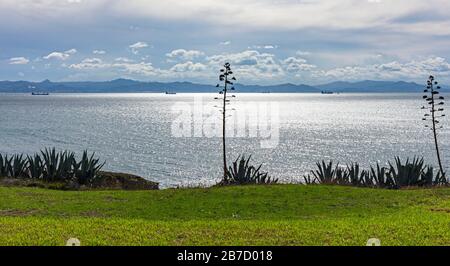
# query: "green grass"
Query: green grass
{"points": [[264, 215]]}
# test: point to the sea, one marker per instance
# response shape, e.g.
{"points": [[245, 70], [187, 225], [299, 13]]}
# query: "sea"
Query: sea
{"points": [[176, 139]]}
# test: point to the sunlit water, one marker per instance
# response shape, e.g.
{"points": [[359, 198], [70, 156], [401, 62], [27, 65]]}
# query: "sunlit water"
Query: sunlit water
{"points": [[133, 132]]}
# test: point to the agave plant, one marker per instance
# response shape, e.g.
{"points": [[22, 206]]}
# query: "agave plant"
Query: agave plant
{"points": [[441, 179], [51, 166], [429, 179], [35, 167], [325, 172], [366, 179], [354, 174], [357, 177], [18, 166], [408, 174], [308, 180], [5, 165], [341, 175], [380, 177], [51, 161], [64, 170], [242, 173], [87, 169], [57, 166]]}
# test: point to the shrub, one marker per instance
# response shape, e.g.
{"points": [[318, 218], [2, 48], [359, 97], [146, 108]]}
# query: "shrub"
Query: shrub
{"points": [[414, 173], [35, 167], [325, 173], [429, 179], [341, 175], [308, 180], [408, 174], [357, 177], [380, 178], [87, 169], [18, 166], [57, 165], [5, 165], [52, 166], [242, 173], [398, 175]]}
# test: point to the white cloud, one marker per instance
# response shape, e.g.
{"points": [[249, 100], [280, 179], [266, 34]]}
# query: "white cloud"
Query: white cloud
{"points": [[123, 59], [412, 70], [127, 66], [18, 61], [250, 65], [92, 61], [142, 68], [188, 67], [184, 54], [100, 52], [245, 58], [89, 63], [345, 36], [264, 67], [249, 14], [61, 55], [295, 65], [267, 46], [71, 51], [284, 14], [137, 46]]}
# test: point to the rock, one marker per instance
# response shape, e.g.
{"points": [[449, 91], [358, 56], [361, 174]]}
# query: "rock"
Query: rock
{"points": [[106, 180], [110, 180]]}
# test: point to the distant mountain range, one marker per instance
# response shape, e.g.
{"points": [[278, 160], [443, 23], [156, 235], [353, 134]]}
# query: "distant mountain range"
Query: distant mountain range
{"points": [[372, 86], [126, 85]]}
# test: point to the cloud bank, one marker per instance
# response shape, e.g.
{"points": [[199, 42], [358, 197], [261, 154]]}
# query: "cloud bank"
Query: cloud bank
{"points": [[267, 41]]}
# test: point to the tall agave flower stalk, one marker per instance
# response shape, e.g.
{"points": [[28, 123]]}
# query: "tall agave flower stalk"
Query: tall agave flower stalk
{"points": [[434, 112], [226, 76]]}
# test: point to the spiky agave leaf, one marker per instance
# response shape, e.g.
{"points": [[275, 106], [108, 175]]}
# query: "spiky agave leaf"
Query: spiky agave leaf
{"points": [[308, 180], [18, 166], [408, 174], [35, 167], [441, 179], [50, 160], [380, 178], [325, 172], [354, 174], [367, 180], [428, 176], [242, 173], [87, 169], [341, 175], [5, 165], [358, 177], [64, 169], [429, 179]]}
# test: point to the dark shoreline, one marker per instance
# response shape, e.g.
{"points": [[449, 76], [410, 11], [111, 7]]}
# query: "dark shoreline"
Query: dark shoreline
{"points": [[105, 181]]}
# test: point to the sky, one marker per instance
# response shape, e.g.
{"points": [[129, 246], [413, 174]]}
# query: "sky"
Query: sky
{"points": [[266, 41]]}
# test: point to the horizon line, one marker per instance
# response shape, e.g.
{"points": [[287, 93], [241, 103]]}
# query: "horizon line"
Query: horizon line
{"points": [[211, 84]]}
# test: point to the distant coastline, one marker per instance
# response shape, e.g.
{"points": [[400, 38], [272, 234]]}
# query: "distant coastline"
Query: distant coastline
{"points": [[132, 86]]}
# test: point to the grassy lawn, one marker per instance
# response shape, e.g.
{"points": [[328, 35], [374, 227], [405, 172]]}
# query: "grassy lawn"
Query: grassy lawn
{"points": [[272, 215]]}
